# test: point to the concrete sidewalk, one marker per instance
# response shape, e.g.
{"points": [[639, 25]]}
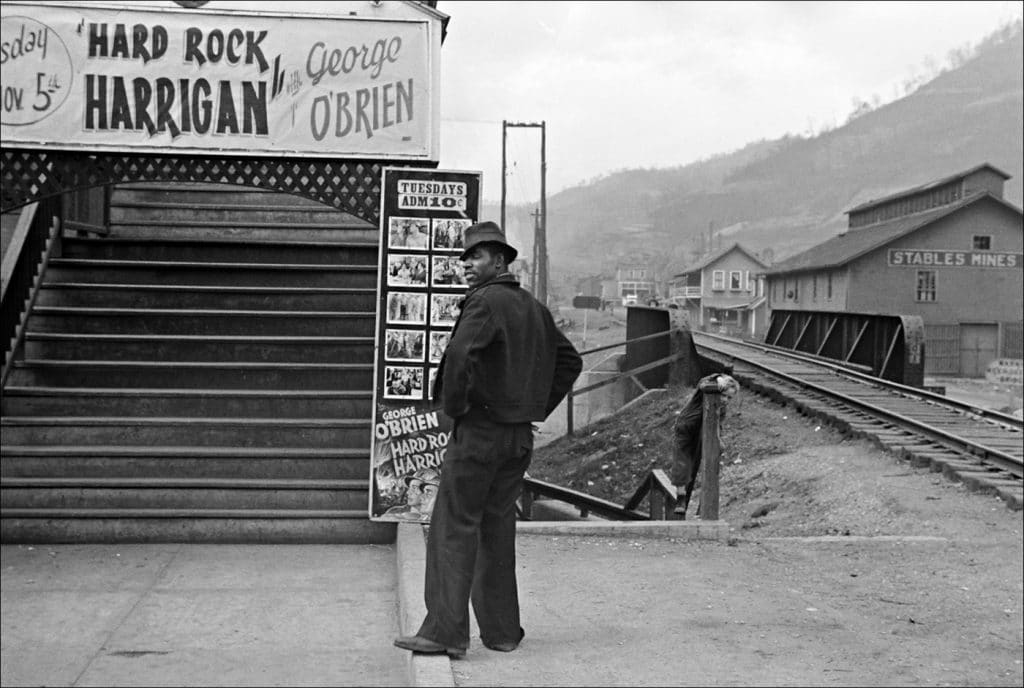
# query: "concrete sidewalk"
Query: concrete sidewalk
{"points": [[603, 603], [199, 615]]}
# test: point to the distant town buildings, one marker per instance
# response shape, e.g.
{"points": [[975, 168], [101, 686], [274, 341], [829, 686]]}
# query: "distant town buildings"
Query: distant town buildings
{"points": [[723, 292], [636, 283]]}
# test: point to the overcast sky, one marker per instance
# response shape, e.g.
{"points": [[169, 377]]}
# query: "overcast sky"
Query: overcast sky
{"points": [[660, 84]]}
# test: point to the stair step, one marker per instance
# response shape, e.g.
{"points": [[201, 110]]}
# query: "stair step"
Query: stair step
{"points": [[246, 200], [243, 432], [175, 462], [99, 401], [228, 274], [197, 296], [203, 194], [171, 321], [177, 493], [221, 526], [127, 212], [228, 251], [269, 376], [47, 512], [309, 232], [168, 347], [244, 229]]}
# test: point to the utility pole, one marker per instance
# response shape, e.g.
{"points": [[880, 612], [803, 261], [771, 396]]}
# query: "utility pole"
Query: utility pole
{"points": [[536, 230], [542, 235], [540, 242], [504, 138]]}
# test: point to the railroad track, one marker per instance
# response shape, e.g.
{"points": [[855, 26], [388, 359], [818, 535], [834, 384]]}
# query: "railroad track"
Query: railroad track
{"points": [[984, 449]]}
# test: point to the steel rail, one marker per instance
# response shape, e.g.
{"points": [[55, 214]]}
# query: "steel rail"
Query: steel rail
{"points": [[999, 458], [847, 371]]}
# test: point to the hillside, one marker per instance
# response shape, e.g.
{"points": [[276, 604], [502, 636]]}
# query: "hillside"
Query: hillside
{"points": [[791, 193]]}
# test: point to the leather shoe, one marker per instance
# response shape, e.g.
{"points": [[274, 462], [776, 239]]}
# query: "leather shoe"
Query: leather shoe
{"points": [[425, 646], [507, 646]]}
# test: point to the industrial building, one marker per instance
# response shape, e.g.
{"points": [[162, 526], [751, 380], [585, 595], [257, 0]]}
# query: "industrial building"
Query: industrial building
{"points": [[949, 251]]}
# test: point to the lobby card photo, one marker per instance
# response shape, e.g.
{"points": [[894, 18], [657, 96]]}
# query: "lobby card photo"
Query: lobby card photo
{"points": [[447, 271], [407, 307], [403, 382], [438, 342], [444, 308], [431, 379], [409, 233], [404, 345], [449, 234], [407, 270]]}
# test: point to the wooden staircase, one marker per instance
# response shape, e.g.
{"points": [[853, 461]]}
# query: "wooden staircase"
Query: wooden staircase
{"points": [[201, 374]]}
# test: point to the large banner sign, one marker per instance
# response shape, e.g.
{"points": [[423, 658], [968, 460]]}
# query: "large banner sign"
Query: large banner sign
{"points": [[153, 79], [424, 216]]}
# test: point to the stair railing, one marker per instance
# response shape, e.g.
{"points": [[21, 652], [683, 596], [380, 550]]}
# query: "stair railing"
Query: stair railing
{"points": [[655, 486], [661, 494], [36, 237], [631, 374]]}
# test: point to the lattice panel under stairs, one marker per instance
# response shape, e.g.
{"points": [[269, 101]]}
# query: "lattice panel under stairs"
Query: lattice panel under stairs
{"points": [[352, 186]]}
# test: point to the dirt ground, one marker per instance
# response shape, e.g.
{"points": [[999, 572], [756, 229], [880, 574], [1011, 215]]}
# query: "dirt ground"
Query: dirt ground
{"points": [[918, 567]]}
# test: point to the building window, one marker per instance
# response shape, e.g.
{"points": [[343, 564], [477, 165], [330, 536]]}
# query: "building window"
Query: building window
{"points": [[814, 288], [925, 285], [735, 283], [982, 242], [718, 280], [750, 286], [828, 287]]}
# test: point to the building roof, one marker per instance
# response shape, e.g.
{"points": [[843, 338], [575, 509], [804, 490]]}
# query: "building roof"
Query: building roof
{"points": [[720, 253], [854, 243], [324, 8], [924, 187]]}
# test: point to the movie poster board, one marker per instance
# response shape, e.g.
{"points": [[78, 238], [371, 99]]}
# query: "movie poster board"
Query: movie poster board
{"points": [[424, 215], [153, 77]]}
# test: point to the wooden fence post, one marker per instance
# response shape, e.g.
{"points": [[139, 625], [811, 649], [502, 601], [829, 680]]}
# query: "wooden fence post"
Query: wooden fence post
{"points": [[526, 498], [710, 452]]}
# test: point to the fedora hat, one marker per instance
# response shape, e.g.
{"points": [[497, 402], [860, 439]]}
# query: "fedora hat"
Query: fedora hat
{"points": [[487, 232]]}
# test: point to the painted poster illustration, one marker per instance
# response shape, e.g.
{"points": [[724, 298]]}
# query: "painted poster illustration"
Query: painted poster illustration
{"points": [[424, 216]]}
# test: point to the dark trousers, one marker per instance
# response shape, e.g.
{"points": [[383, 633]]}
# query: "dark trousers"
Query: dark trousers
{"points": [[471, 551]]}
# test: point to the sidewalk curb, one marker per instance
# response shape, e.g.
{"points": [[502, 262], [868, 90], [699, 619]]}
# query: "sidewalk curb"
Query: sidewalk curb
{"points": [[682, 530], [422, 670]]}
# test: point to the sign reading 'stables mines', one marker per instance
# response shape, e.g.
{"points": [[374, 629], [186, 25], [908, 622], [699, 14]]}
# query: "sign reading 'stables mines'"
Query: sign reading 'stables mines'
{"points": [[424, 216]]}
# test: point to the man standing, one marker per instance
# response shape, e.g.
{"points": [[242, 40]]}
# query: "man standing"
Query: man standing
{"points": [[506, 366]]}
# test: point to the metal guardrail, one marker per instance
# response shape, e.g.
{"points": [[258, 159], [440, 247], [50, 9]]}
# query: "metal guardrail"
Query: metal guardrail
{"points": [[35, 237], [587, 504], [631, 373], [656, 486]]}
